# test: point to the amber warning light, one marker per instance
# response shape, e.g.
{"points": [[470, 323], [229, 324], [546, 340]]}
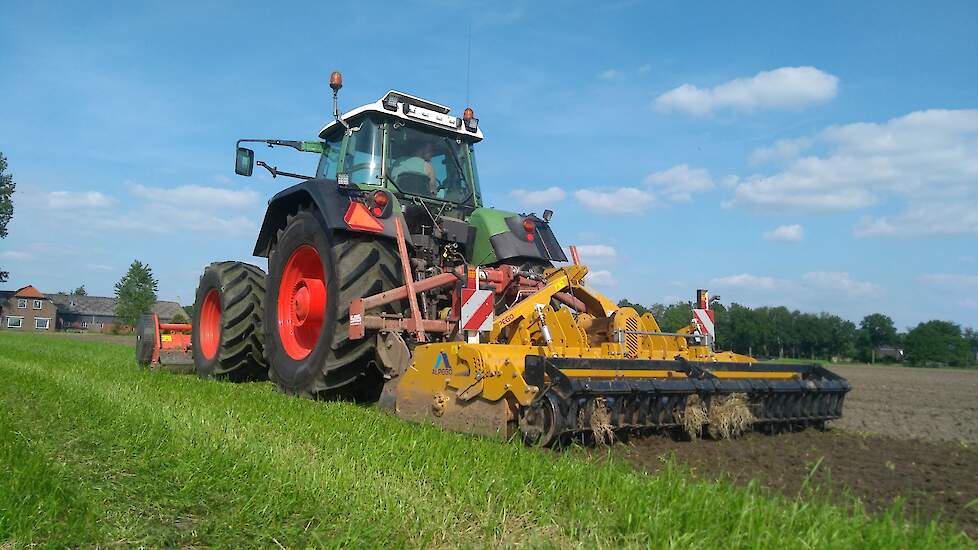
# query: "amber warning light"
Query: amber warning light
{"points": [[468, 117], [336, 81]]}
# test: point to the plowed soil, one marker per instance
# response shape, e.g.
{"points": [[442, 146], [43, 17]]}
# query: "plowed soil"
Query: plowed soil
{"points": [[907, 403], [907, 433]]}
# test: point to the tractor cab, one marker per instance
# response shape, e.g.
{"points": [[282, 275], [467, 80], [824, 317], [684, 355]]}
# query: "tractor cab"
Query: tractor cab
{"points": [[409, 161], [408, 146]]}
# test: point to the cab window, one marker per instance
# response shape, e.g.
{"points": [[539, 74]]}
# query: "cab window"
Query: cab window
{"points": [[330, 159], [363, 153]]}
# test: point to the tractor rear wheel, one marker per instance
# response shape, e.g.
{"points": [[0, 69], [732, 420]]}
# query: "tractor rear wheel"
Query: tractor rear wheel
{"points": [[227, 333], [314, 274]]}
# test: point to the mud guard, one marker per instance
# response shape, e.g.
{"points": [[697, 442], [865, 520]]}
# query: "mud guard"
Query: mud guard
{"points": [[331, 199]]}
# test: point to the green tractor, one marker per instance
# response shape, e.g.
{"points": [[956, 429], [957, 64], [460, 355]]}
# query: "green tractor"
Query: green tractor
{"points": [[389, 280], [399, 165]]}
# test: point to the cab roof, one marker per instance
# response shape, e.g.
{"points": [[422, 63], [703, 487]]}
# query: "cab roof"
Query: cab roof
{"points": [[411, 108]]}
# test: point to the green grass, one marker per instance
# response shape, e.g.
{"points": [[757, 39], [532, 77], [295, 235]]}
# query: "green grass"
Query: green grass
{"points": [[96, 451]]}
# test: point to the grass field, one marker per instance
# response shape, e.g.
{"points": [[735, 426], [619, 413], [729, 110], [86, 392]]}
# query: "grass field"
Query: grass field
{"points": [[97, 451]]}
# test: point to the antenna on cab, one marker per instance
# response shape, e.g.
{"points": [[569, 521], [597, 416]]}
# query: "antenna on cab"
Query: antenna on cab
{"points": [[336, 82]]}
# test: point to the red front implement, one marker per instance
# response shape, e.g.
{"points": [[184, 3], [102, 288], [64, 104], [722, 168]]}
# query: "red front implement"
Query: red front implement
{"points": [[163, 344]]}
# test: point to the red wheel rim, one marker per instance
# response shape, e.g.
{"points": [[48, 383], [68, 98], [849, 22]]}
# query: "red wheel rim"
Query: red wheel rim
{"points": [[210, 324], [301, 302]]}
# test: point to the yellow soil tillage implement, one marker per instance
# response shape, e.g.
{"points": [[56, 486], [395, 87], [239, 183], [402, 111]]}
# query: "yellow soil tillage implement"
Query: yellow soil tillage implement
{"points": [[565, 361]]}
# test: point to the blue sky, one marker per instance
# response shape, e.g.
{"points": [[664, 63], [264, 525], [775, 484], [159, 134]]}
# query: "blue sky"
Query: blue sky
{"points": [[824, 157]]}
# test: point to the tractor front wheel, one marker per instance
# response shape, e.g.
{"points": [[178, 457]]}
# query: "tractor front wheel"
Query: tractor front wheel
{"points": [[227, 326]]}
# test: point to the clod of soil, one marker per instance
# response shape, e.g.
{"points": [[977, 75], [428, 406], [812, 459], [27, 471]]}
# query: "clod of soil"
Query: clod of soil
{"points": [[600, 422], [694, 417], [729, 416]]}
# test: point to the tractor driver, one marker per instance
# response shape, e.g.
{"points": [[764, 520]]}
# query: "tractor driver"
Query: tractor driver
{"points": [[414, 174]]}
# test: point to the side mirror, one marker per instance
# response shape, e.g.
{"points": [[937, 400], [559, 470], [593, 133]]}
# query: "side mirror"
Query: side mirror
{"points": [[244, 161]]}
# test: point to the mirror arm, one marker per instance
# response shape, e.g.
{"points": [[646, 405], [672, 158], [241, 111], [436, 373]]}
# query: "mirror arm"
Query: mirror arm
{"points": [[276, 172], [297, 145]]}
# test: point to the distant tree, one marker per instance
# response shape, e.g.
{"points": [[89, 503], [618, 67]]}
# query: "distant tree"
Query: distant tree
{"points": [[180, 317], [639, 308], [971, 336], [80, 291], [7, 187], [783, 320], [743, 328], [189, 310], [135, 293], [674, 316], [874, 331], [937, 342], [842, 342], [721, 322]]}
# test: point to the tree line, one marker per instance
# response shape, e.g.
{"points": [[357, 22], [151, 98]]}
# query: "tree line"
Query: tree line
{"points": [[7, 187], [778, 332]]}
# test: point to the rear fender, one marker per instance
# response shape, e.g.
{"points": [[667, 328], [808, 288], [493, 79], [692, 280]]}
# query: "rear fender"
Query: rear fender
{"points": [[331, 200]]}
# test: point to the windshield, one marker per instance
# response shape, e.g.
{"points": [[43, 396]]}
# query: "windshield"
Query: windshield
{"points": [[430, 165]]}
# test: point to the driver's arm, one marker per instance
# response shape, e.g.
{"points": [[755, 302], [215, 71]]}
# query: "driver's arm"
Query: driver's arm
{"points": [[429, 171]]}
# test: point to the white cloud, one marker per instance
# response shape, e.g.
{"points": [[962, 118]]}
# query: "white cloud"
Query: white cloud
{"points": [[929, 158], [624, 200], [15, 255], [838, 281], [597, 250], [198, 196], [748, 281], [812, 284], [786, 233], [783, 88], [680, 182], [949, 281], [777, 193], [923, 220], [158, 210], [730, 181], [64, 200], [543, 197], [595, 253], [601, 278], [163, 219], [782, 150], [611, 74]]}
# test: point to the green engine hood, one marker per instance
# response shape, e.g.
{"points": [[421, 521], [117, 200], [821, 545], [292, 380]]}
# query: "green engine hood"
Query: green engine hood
{"points": [[499, 237]]}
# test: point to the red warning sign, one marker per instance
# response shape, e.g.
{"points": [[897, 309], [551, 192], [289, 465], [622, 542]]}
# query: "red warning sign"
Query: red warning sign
{"points": [[477, 310]]}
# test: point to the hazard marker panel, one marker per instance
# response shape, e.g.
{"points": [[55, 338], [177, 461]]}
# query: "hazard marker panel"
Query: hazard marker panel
{"points": [[704, 318], [477, 310]]}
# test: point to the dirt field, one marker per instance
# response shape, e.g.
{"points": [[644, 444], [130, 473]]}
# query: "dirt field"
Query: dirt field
{"points": [[930, 404], [910, 433]]}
